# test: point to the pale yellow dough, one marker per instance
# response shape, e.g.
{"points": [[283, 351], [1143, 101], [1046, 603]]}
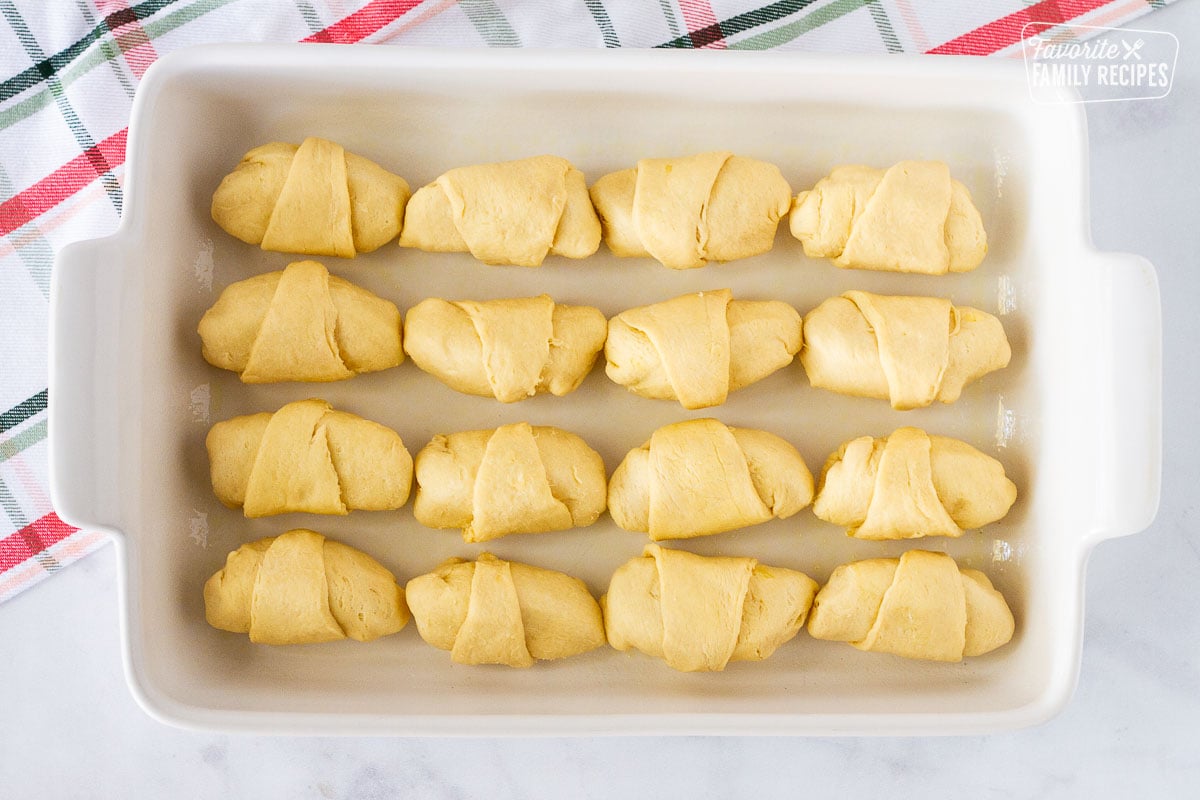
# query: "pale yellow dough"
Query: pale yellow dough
{"points": [[514, 479], [688, 211], [921, 605], [699, 347], [490, 611], [908, 350], [911, 217], [513, 212], [700, 477], [308, 457], [314, 198], [699, 613], [507, 349], [301, 324], [300, 588], [909, 485]]}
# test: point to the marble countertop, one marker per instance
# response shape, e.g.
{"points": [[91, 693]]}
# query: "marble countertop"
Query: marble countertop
{"points": [[70, 728]]}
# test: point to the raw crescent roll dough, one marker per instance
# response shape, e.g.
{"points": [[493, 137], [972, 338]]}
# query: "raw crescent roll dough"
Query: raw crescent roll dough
{"points": [[700, 477], [307, 457], [909, 350], [699, 347], [315, 199], [912, 217], [302, 324], [911, 484], [299, 588], [514, 212], [688, 211], [921, 605], [491, 611], [506, 349], [699, 613], [514, 479]]}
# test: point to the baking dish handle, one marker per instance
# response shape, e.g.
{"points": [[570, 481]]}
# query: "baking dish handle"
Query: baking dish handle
{"points": [[1130, 375], [84, 376]]}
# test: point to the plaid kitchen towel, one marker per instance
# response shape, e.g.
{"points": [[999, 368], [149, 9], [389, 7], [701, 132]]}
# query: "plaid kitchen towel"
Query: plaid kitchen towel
{"points": [[69, 69]]}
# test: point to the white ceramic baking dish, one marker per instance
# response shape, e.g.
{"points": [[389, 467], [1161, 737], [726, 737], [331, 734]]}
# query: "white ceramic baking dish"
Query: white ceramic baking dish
{"points": [[1075, 418]]}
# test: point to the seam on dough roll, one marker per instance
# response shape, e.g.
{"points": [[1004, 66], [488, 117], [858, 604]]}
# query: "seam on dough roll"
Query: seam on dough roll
{"points": [[513, 479], [313, 198], [701, 477], [909, 485], [507, 213], [307, 457], [687, 211], [696, 348], [699, 613], [921, 605], [300, 324], [910, 217], [299, 588], [908, 350], [544, 614], [508, 349]]}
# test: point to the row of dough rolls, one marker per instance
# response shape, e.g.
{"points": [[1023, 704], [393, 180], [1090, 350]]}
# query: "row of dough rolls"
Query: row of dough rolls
{"points": [[318, 199], [693, 478], [695, 613], [303, 324]]}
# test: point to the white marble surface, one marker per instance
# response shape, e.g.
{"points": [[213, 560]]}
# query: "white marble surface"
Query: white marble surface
{"points": [[69, 727]]}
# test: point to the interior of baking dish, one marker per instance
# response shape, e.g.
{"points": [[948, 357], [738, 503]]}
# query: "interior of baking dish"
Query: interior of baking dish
{"points": [[1045, 417]]}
